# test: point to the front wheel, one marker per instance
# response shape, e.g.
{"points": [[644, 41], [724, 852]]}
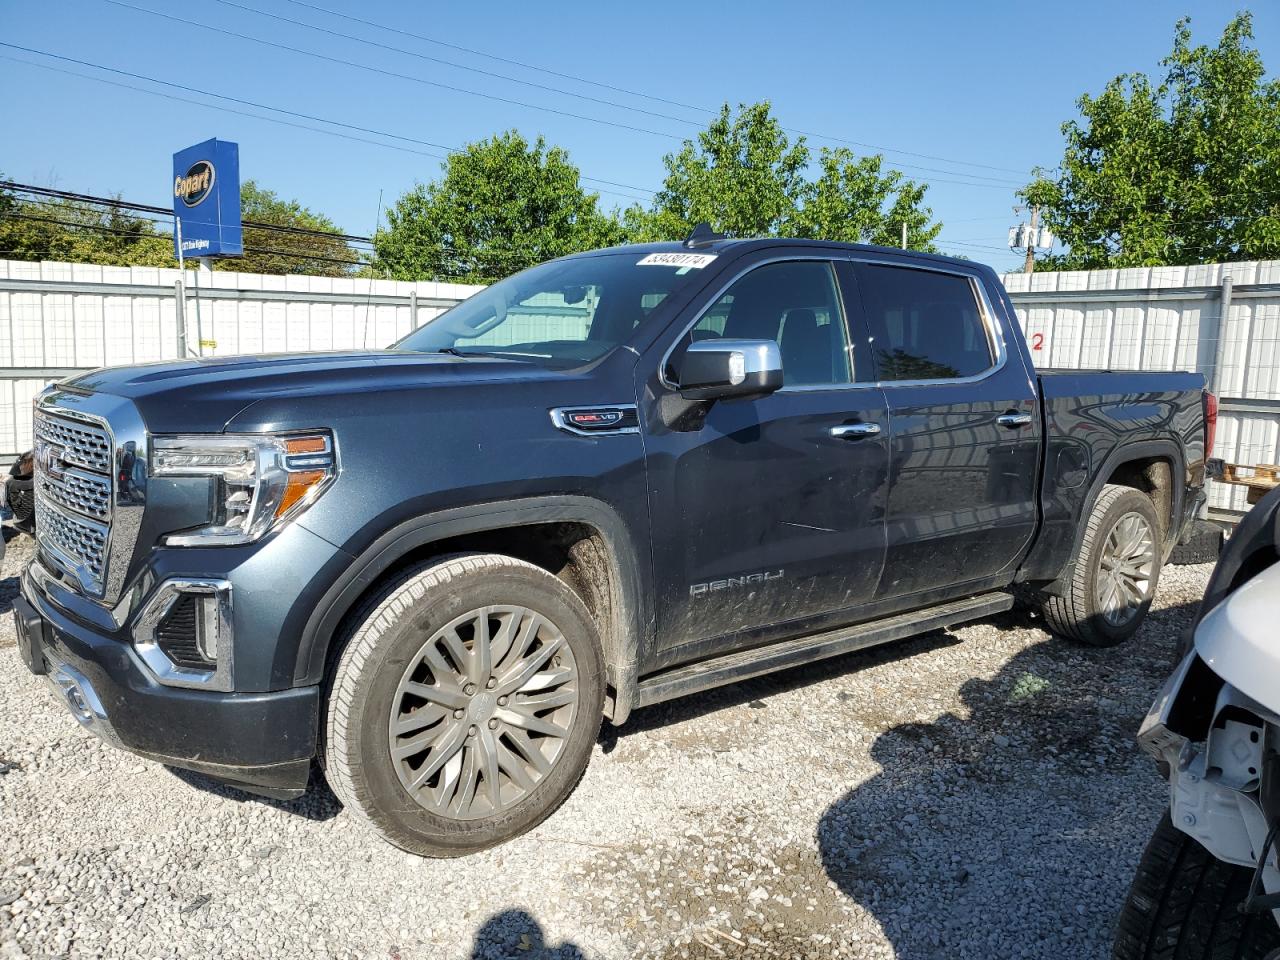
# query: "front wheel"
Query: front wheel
{"points": [[1113, 578], [1183, 904], [464, 708]]}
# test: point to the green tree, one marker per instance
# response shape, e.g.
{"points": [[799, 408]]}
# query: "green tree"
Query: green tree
{"points": [[296, 253], [503, 204], [742, 175], [72, 232], [746, 178], [1183, 170], [853, 202]]}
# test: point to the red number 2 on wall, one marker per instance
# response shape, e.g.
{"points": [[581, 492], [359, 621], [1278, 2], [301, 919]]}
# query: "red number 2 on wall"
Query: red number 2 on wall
{"points": [[1037, 341]]}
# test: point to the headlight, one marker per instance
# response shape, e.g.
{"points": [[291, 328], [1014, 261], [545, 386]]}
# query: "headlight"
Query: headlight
{"points": [[264, 479]]}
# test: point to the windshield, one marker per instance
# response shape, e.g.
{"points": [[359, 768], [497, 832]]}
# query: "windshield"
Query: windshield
{"points": [[568, 311]]}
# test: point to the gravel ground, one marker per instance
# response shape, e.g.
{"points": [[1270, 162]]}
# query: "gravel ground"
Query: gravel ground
{"points": [[971, 793]]}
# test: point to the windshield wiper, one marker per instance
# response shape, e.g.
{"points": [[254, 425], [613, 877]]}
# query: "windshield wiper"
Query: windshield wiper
{"points": [[455, 352]]}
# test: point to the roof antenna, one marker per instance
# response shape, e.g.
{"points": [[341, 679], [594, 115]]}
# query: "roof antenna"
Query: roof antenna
{"points": [[702, 236]]}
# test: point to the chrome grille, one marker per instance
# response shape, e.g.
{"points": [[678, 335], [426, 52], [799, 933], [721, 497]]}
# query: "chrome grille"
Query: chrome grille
{"points": [[76, 543], [82, 444], [73, 494], [77, 490]]}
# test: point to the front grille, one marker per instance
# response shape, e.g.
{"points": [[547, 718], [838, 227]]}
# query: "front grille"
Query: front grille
{"points": [[79, 544], [78, 490], [73, 489], [82, 444]]}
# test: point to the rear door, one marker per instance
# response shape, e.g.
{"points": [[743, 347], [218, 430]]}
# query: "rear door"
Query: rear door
{"points": [[964, 426]]}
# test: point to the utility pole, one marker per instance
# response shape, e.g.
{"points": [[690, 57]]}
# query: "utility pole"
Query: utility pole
{"points": [[904, 234], [1028, 238], [1030, 265]]}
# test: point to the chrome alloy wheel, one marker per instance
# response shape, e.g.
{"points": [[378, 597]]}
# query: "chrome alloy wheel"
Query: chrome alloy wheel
{"points": [[482, 712], [1125, 568]]}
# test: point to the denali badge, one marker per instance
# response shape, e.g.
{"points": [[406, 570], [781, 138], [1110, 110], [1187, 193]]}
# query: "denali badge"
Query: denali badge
{"points": [[746, 580]]}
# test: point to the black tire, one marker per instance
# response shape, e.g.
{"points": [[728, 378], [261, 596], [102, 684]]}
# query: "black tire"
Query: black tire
{"points": [[1203, 546], [358, 761], [1182, 906], [1076, 614]]}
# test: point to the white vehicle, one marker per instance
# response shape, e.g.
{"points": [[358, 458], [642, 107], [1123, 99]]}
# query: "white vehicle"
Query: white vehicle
{"points": [[1208, 884]]}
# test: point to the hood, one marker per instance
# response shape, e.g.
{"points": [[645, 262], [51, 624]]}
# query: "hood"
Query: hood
{"points": [[203, 395]]}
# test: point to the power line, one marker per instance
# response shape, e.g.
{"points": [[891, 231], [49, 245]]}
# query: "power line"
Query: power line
{"points": [[287, 123], [149, 208], [490, 56], [387, 73], [510, 79], [117, 231], [636, 93], [448, 63]]}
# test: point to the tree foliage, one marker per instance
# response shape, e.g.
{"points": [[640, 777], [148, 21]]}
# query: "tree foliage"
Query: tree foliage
{"points": [[503, 204], [742, 175], [1181, 170], [71, 231], [747, 178], [297, 253], [74, 232], [854, 202]]}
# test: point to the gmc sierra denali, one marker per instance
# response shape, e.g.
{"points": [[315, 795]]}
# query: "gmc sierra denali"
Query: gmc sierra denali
{"points": [[613, 479]]}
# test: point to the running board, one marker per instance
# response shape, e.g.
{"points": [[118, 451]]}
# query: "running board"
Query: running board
{"points": [[744, 664]]}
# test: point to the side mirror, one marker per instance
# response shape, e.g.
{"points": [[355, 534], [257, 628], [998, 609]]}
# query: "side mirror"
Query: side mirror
{"points": [[720, 369]]}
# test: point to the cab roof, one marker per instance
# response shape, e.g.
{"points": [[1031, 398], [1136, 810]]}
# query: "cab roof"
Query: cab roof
{"points": [[744, 246]]}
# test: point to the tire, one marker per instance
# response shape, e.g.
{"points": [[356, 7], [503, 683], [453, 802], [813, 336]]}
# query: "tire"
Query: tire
{"points": [[422, 636], [1203, 546], [1079, 613], [1182, 904]]}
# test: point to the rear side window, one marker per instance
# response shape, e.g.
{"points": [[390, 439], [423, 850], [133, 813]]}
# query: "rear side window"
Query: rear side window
{"points": [[926, 324]]}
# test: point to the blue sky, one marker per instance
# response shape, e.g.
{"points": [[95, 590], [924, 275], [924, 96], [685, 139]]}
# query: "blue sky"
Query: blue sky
{"points": [[981, 88]]}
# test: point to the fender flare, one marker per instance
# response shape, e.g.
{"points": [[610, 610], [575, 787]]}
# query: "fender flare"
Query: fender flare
{"points": [[1163, 449], [630, 606]]}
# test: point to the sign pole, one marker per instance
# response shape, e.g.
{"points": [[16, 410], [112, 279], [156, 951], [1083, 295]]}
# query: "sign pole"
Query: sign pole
{"points": [[206, 208], [181, 313]]}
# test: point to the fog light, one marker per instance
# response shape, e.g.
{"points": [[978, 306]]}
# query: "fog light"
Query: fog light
{"points": [[184, 633]]}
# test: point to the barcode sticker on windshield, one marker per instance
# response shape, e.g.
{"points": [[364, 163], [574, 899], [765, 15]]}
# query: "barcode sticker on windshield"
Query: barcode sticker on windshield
{"points": [[688, 260]]}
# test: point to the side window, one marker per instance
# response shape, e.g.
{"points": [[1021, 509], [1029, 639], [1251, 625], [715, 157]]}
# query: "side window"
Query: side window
{"points": [[797, 305], [927, 325]]}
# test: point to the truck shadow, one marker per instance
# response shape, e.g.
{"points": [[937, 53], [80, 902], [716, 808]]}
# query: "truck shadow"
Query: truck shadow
{"points": [[953, 862], [319, 802]]}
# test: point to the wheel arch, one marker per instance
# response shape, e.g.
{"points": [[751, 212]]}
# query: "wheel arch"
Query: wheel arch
{"points": [[1129, 465], [601, 564]]}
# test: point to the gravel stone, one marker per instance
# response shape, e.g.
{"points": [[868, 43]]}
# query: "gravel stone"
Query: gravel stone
{"points": [[971, 793]]}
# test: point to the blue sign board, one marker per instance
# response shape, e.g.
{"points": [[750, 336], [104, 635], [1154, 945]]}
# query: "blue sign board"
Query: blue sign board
{"points": [[206, 200]]}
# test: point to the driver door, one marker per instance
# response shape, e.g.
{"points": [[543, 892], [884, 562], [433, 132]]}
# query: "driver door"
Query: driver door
{"points": [[768, 519]]}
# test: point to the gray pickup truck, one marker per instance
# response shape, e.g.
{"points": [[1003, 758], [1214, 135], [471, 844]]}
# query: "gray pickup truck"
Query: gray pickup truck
{"points": [[610, 480]]}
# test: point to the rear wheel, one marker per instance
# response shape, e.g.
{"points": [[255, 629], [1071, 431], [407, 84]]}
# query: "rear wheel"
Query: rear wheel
{"points": [[1182, 904], [464, 709], [1113, 578]]}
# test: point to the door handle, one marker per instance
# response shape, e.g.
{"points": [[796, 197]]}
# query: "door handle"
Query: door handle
{"points": [[1013, 421], [854, 431]]}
